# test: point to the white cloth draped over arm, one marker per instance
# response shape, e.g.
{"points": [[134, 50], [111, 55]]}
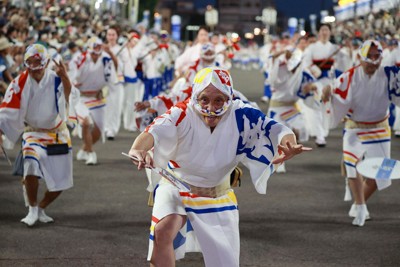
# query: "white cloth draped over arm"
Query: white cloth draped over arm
{"points": [[165, 127], [393, 74], [309, 99], [341, 97], [258, 142], [13, 109]]}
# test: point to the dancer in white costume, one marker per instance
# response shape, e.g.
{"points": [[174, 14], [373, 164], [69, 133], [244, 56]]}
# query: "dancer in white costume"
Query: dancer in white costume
{"points": [[190, 55], [134, 88], [290, 82], [195, 140], [320, 57], [115, 95], [367, 132], [35, 105], [90, 72], [207, 59], [394, 59]]}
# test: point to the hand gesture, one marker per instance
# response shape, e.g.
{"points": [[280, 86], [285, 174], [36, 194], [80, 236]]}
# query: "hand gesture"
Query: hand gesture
{"points": [[144, 159], [309, 87], [60, 69], [106, 48], [289, 151], [326, 94], [288, 54], [139, 106]]}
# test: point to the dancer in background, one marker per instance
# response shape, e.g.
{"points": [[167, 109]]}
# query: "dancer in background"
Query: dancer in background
{"points": [[36, 106], [367, 132], [91, 71], [115, 94]]}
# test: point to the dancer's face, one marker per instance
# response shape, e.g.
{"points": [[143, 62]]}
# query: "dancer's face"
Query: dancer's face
{"points": [[212, 100], [373, 61]]}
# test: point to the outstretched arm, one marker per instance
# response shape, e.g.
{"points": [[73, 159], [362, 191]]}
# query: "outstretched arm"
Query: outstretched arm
{"points": [[288, 148]]}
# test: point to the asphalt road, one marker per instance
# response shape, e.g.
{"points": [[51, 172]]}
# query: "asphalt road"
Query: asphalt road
{"points": [[301, 221]]}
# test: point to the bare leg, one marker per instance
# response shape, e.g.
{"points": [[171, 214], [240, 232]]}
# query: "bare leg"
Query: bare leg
{"points": [[164, 234], [32, 185], [369, 188], [87, 135], [356, 186], [48, 198], [96, 133]]}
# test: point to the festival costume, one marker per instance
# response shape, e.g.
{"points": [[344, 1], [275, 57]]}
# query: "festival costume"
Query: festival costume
{"points": [[39, 111], [287, 88], [114, 99], [187, 58], [204, 159], [319, 56], [153, 68], [265, 61], [92, 77], [394, 59], [134, 88], [197, 66], [367, 133]]}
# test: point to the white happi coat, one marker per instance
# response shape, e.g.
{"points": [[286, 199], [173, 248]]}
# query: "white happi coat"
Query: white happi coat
{"points": [[287, 89], [115, 98], [187, 58], [134, 87], [354, 95], [201, 158], [43, 108], [91, 77], [318, 52], [315, 54]]}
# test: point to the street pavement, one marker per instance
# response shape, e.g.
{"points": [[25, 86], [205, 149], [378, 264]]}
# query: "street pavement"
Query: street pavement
{"points": [[301, 221]]}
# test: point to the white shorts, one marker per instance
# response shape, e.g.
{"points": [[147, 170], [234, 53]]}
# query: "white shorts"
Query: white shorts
{"points": [[212, 226], [365, 143]]}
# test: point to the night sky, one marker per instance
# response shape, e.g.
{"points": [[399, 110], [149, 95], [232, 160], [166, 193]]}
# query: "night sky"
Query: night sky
{"points": [[302, 8]]}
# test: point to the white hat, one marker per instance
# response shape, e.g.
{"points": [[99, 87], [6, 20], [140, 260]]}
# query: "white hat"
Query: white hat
{"points": [[37, 51], [92, 43], [364, 49], [218, 77], [4, 43]]}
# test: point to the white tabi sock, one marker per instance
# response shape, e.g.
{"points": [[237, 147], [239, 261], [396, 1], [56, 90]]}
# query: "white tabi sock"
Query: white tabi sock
{"points": [[43, 217], [32, 216], [353, 212], [361, 210]]}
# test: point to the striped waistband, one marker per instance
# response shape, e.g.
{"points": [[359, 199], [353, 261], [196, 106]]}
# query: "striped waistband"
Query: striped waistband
{"points": [[277, 104], [90, 93], [350, 124], [212, 192], [59, 128]]}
